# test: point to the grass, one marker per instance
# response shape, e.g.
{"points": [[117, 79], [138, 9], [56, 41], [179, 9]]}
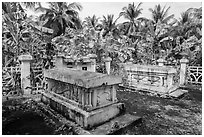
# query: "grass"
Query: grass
{"points": [[164, 116]]}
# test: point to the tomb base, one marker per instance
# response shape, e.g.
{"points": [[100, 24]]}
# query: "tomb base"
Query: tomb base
{"points": [[86, 119], [156, 89]]}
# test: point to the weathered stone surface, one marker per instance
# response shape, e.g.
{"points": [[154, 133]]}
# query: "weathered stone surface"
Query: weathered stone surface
{"points": [[150, 68], [60, 119], [119, 123], [88, 98], [80, 116], [25, 73], [25, 58], [81, 78], [151, 78], [178, 93]]}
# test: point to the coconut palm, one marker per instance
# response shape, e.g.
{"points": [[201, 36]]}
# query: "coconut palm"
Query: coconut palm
{"points": [[188, 36], [160, 14], [131, 13], [60, 15], [92, 22], [110, 26]]}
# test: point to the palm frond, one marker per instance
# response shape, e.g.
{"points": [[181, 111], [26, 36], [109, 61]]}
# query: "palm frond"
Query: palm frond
{"points": [[75, 6]]}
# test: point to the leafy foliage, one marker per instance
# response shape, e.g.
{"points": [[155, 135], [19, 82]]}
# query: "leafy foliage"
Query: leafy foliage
{"points": [[60, 15], [144, 40]]}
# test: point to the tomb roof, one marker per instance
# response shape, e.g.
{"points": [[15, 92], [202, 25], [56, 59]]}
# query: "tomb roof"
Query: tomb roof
{"points": [[82, 78], [150, 68]]}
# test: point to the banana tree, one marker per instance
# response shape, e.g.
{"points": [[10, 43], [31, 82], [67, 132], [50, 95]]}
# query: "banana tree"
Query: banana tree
{"points": [[110, 26], [160, 14], [12, 26]]}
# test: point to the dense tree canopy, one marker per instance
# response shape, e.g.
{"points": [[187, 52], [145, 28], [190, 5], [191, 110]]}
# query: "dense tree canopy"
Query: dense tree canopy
{"points": [[145, 40]]}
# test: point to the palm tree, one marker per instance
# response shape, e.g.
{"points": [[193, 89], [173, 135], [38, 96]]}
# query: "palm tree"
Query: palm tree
{"points": [[160, 14], [188, 36], [187, 26], [110, 26], [156, 31], [60, 15], [92, 22], [131, 27], [131, 13], [92, 28]]}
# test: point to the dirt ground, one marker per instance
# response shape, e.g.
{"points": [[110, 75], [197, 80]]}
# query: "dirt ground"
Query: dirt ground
{"points": [[160, 116], [164, 116]]}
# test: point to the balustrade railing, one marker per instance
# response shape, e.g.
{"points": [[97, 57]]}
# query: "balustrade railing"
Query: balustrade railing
{"points": [[37, 78], [194, 75], [11, 81], [12, 69]]}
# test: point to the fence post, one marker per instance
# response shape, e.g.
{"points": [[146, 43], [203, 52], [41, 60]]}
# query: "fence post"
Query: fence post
{"points": [[93, 62], [25, 73], [183, 70], [107, 64], [59, 61], [161, 62]]}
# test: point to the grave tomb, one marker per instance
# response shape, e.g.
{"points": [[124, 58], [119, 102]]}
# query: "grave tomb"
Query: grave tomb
{"points": [[85, 97], [159, 79], [87, 63]]}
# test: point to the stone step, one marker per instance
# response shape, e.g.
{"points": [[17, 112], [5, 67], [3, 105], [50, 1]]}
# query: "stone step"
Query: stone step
{"points": [[116, 125], [177, 93]]}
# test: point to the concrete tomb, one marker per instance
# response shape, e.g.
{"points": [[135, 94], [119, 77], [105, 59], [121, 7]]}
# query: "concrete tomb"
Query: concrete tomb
{"points": [[86, 97], [159, 79], [87, 63]]}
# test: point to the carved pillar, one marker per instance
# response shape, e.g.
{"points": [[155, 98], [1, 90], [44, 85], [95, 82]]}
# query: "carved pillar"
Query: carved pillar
{"points": [[88, 104], [82, 98], [25, 73], [90, 101], [79, 95], [107, 64], [93, 65], [183, 70], [59, 61], [93, 62], [94, 98], [161, 80], [114, 99], [161, 63], [169, 80]]}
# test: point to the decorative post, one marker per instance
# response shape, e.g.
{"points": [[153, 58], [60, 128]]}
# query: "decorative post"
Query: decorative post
{"points": [[94, 98], [93, 62], [161, 62], [114, 99], [183, 70], [25, 73], [59, 61], [90, 100], [107, 63]]}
